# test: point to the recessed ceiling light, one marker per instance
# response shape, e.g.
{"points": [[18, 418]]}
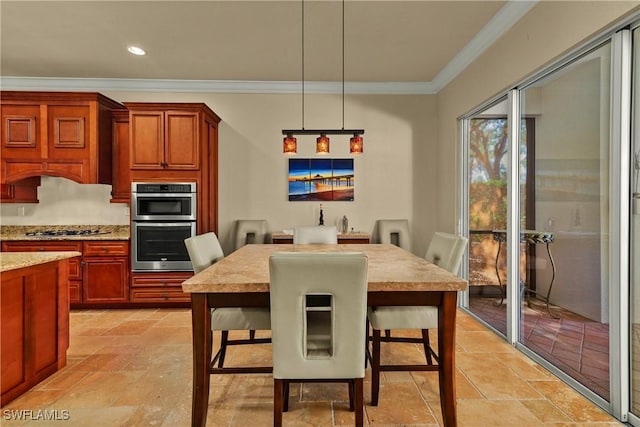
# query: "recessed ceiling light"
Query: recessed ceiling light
{"points": [[137, 50]]}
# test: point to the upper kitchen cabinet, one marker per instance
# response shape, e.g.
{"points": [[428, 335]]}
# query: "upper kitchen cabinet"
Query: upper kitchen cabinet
{"points": [[121, 185], [175, 142], [167, 136], [61, 134]]}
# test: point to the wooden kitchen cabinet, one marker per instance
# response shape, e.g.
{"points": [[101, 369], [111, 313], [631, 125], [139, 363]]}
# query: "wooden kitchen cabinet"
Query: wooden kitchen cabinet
{"points": [[177, 142], [23, 191], [161, 287], [105, 277], [164, 140], [75, 268], [121, 183], [56, 133], [34, 326], [100, 277]]}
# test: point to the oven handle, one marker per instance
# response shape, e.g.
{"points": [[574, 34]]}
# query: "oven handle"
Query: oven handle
{"points": [[163, 223]]}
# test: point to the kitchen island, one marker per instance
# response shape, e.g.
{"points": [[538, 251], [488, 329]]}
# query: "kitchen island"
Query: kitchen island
{"points": [[34, 318]]}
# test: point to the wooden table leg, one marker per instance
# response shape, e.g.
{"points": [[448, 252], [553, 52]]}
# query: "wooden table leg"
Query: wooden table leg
{"points": [[201, 327], [447, 351]]}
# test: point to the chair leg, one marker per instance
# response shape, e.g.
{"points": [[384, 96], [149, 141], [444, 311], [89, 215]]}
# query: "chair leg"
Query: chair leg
{"points": [[375, 368], [252, 334], [387, 333], [285, 396], [351, 395], [427, 346], [366, 344], [277, 402], [224, 337], [359, 386]]}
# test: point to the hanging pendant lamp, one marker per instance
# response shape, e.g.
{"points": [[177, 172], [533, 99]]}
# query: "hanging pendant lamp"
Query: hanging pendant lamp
{"points": [[290, 143]]}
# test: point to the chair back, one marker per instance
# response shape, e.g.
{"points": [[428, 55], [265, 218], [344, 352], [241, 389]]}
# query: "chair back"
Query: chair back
{"points": [[446, 250], [312, 235], [394, 231], [318, 314], [250, 231], [203, 250]]}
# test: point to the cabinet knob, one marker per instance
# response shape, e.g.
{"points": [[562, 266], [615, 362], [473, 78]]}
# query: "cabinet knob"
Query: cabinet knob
{"points": [[41, 248]]}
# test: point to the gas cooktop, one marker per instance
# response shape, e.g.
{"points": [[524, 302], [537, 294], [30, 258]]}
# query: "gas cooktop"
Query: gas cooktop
{"points": [[86, 232]]}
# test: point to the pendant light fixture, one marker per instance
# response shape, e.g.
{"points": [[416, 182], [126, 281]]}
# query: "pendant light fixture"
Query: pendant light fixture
{"points": [[290, 143]]}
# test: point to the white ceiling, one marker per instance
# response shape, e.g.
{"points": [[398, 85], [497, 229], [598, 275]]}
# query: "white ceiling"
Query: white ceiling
{"points": [[403, 42]]}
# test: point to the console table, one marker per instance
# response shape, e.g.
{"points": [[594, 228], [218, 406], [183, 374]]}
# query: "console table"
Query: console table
{"points": [[343, 238], [529, 237]]}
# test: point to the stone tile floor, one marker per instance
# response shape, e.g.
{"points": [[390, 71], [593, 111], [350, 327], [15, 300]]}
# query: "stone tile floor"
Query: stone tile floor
{"points": [[576, 345], [133, 368]]}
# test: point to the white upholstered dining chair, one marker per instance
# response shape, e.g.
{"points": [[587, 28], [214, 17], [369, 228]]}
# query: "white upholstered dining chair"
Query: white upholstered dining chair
{"points": [[446, 251], [394, 231], [250, 231], [315, 235], [318, 323], [205, 250]]}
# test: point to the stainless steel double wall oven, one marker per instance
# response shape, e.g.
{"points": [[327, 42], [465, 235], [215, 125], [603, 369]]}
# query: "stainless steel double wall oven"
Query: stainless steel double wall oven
{"points": [[163, 215]]}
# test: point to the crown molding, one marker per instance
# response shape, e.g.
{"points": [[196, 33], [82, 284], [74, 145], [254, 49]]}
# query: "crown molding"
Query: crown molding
{"points": [[212, 86], [503, 20]]}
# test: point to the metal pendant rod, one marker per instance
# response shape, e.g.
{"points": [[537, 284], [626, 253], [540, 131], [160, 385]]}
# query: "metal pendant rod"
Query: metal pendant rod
{"points": [[322, 131]]}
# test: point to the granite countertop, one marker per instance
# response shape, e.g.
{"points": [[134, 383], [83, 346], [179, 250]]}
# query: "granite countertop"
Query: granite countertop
{"points": [[105, 232], [16, 260], [390, 269]]}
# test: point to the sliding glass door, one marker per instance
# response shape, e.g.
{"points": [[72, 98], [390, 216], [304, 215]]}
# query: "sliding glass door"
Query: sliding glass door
{"points": [[564, 186]]}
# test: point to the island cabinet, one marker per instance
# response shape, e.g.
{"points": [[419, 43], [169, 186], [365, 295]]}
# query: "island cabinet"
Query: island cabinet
{"points": [[56, 133], [34, 326], [99, 278]]}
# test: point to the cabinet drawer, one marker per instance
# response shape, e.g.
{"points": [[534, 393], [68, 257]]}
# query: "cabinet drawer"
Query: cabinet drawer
{"points": [[24, 246], [159, 280], [159, 294], [100, 248]]}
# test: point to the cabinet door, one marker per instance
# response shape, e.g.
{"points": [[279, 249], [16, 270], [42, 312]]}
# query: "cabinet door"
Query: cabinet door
{"points": [[68, 142], [105, 280], [147, 139], [182, 148], [121, 187], [68, 132], [22, 149], [21, 137]]}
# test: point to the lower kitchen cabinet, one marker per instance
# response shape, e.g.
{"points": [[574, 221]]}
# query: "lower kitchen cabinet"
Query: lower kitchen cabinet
{"points": [[100, 277], [105, 277], [75, 267], [161, 287]]}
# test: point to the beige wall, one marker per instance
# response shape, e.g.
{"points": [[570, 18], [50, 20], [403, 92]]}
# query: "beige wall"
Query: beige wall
{"points": [[399, 140], [550, 29]]}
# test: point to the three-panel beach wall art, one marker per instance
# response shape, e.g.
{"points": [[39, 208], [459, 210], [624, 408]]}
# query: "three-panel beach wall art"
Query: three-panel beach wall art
{"points": [[321, 180]]}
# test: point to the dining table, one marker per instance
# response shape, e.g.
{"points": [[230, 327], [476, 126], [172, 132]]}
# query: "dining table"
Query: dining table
{"points": [[395, 277]]}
